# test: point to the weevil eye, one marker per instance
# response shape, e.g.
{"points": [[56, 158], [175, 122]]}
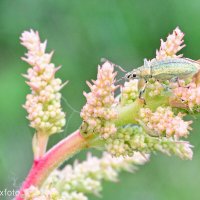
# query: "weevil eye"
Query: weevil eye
{"points": [[130, 76]]}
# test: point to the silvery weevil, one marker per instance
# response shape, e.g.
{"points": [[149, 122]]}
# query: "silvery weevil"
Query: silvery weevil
{"points": [[171, 69], [167, 69]]}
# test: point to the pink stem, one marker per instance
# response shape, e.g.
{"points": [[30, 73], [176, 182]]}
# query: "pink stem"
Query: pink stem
{"points": [[52, 159]]}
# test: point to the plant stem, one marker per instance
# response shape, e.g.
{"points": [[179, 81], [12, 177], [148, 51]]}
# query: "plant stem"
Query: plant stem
{"points": [[129, 113], [52, 159], [40, 141]]}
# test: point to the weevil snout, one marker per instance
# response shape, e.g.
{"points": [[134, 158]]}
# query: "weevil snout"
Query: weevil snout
{"points": [[131, 75]]}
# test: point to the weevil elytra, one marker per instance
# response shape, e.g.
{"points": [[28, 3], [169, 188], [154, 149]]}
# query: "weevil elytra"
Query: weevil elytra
{"points": [[167, 69]]}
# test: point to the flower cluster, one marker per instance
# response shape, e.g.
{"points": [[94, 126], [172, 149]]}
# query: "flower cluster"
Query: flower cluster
{"points": [[33, 193], [163, 122], [154, 88], [133, 138], [98, 113], [158, 127], [43, 104], [171, 46], [84, 178], [129, 92], [188, 95], [129, 127]]}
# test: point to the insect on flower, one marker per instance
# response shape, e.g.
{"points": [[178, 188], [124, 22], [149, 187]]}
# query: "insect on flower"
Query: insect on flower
{"points": [[167, 69]]}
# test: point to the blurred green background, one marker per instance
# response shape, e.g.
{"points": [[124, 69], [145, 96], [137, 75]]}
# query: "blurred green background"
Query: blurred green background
{"points": [[81, 32]]}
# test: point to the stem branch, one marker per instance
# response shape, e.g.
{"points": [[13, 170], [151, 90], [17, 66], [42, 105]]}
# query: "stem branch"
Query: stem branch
{"points": [[52, 159]]}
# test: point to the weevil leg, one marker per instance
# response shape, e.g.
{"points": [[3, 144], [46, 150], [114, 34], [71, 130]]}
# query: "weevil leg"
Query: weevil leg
{"points": [[174, 79], [142, 90], [142, 86], [141, 98], [140, 94]]}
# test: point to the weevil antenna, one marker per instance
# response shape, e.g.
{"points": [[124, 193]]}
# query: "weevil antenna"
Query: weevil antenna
{"points": [[123, 78], [115, 65]]}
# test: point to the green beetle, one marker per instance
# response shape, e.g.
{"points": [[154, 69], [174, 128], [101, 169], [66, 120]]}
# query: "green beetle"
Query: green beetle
{"points": [[167, 69]]}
